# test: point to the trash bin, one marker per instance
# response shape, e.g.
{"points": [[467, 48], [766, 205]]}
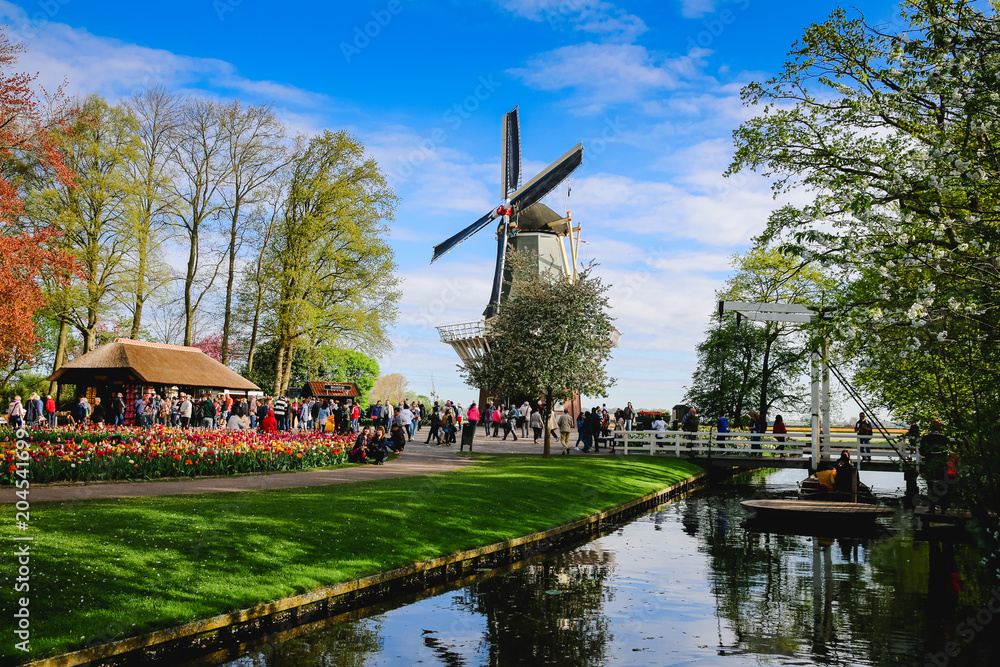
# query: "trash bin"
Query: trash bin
{"points": [[468, 433]]}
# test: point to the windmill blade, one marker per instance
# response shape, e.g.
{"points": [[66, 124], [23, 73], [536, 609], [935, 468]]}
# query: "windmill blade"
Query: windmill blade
{"points": [[491, 309], [547, 180], [510, 153], [442, 248]]}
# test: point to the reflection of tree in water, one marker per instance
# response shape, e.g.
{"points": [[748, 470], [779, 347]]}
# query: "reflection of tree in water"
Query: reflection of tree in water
{"points": [[345, 645], [549, 613], [838, 600]]}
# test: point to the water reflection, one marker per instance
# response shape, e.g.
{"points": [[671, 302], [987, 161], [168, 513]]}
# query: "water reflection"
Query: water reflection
{"points": [[689, 583]]}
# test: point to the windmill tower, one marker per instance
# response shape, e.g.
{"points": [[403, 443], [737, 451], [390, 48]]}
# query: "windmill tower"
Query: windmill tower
{"points": [[525, 224]]}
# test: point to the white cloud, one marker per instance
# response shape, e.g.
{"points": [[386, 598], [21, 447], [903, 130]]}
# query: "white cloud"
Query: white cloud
{"points": [[594, 17], [608, 74], [694, 9], [92, 64]]}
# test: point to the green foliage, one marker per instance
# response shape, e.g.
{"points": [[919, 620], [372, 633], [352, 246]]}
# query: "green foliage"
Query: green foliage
{"points": [[323, 363], [550, 339], [757, 365], [893, 136], [23, 385], [329, 267], [728, 377]]}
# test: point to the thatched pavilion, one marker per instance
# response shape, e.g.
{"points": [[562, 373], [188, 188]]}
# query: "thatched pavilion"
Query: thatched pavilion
{"points": [[134, 368]]}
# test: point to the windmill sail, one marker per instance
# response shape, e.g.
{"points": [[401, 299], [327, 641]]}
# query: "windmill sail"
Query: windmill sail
{"points": [[547, 180], [511, 153], [444, 247], [516, 199], [491, 308]]}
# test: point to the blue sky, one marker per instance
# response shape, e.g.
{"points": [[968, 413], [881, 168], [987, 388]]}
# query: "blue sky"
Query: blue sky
{"points": [[650, 88]]}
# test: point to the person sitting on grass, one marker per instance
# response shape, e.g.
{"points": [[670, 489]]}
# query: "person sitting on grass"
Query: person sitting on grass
{"points": [[397, 439]]}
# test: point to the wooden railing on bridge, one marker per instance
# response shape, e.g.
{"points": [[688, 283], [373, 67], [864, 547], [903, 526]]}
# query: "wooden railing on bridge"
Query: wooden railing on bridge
{"points": [[797, 444]]}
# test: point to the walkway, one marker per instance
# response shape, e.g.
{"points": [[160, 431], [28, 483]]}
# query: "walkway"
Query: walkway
{"points": [[418, 459]]}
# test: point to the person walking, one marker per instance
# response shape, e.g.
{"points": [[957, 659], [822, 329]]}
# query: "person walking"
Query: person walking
{"points": [[208, 411], [523, 415], [690, 426], [322, 416], [355, 417], [535, 422], [50, 410], [185, 410], [510, 423], [863, 428], [628, 414], [435, 426], [33, 411], [15, 413], [472, 416], [280, 410], [565, 424]]}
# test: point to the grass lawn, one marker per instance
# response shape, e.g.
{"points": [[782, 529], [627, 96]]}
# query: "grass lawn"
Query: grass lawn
{"points": [[105, 570]]}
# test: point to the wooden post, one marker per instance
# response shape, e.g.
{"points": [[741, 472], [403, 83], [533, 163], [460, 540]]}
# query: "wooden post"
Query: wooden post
{"points": [[814, 420]]}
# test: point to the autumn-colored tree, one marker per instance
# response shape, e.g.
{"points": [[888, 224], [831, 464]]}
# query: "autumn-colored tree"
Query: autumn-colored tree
{"points": [[26, 251]]}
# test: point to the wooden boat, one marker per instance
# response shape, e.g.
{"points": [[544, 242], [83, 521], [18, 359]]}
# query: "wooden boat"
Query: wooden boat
{"points": [[820, 512]]}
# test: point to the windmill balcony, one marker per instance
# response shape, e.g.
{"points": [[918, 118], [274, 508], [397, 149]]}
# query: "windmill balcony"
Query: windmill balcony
{"points": [[467, 338]]}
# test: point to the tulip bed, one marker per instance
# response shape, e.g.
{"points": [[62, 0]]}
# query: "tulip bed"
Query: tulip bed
{"points": [[135, 454]]}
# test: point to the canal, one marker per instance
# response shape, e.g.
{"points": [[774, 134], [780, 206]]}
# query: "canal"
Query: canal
{"points": [[692, 583]]}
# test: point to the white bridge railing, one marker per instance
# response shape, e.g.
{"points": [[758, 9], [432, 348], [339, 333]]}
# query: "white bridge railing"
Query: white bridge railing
{"points": [[743, 443]]}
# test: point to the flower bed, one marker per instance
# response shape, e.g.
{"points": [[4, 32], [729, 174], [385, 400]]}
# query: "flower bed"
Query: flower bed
{"points": [[131, 454]]}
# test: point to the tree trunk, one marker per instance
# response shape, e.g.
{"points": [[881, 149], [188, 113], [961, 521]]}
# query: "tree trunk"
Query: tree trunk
{"points": [[279, 368], [140, 280], [547, 450], [192, 268], [288, 372], [227, 318]]}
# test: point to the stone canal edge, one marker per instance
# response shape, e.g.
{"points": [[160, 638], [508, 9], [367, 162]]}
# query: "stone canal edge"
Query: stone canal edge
{"points": [[329, 600]]}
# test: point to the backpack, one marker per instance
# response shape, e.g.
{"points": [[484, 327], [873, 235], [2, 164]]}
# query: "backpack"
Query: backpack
{"points": [[197, 412]]}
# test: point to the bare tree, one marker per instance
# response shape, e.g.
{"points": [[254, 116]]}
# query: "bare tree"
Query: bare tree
{"points": [[256, 153], [203, 170], [156, 113], [391, 387]]}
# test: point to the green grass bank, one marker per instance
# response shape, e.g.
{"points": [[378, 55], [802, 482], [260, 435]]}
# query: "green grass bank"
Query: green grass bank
{"points": [[105, 570]]}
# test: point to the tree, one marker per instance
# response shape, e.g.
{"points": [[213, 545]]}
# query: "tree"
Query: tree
{"points": [[28, 248], [894, 136], [328, 267], [93, 213], [549, 339], [392, 387], [156, 116], [311, 364], [200, 156], [255, 151]]}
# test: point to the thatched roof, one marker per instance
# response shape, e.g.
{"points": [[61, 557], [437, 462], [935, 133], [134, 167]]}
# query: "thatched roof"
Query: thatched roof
{"points": [[132, 361]]}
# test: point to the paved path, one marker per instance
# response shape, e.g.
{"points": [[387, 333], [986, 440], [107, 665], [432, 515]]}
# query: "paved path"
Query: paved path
{"points": [[418, 459]]}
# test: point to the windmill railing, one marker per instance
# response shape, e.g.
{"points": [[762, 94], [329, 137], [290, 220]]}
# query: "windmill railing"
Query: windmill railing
{"points": [[452, 332]]}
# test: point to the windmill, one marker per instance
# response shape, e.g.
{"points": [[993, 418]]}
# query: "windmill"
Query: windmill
{"points": [[525, 223]]}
